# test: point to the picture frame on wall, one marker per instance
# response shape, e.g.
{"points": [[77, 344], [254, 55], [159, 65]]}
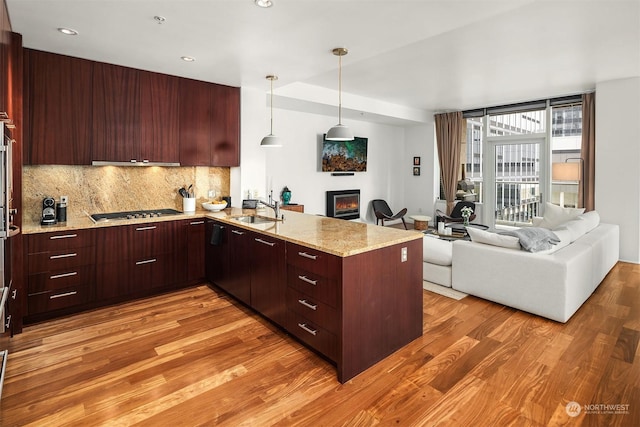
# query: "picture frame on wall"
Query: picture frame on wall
{"points": [[416, 161], [416, 171]]}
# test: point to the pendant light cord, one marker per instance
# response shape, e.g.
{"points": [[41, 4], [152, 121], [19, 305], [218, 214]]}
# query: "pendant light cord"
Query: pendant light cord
{"points": [[340, 89], [271, 106]]}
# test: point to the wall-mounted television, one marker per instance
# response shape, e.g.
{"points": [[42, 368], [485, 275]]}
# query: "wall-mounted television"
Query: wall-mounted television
{"points": [[344, 156]]}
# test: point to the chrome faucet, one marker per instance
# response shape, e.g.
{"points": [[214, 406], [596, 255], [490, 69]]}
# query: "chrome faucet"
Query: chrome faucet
{"points": [[275, 205]]}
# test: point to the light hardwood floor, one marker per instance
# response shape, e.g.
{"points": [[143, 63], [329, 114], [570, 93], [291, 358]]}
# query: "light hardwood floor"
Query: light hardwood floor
{"points": [[195, 357]]}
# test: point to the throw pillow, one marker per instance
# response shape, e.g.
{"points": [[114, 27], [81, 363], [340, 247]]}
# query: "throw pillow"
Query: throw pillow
{"points": [[554, 215], [592, 218], [488, 238]]}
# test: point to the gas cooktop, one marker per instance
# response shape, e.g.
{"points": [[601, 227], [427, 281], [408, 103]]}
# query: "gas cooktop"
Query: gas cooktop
{"points": [[154, 213]]}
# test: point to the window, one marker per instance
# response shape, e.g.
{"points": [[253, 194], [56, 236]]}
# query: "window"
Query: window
{"points": [[510, 155], [566, 142]]}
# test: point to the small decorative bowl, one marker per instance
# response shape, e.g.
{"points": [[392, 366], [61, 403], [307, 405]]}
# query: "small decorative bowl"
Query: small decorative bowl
{"points": [[214, 207]]}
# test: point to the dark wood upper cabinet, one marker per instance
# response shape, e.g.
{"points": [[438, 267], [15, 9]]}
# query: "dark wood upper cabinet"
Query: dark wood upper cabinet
{"points": [[84, 111], [59, 109], [209, 124], [5, 29], [159, 117], [225, 132], [116, 113], [196, 111]]}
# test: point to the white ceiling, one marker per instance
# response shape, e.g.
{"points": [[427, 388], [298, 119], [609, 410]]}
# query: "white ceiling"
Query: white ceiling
{"points": [[432, 55]]}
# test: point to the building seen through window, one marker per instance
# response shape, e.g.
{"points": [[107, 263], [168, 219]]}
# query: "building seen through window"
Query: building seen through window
{"points": [[517, 142]]}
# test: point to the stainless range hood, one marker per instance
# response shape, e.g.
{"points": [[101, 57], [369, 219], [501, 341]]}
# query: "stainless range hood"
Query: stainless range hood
{"points": [[132, 163]]}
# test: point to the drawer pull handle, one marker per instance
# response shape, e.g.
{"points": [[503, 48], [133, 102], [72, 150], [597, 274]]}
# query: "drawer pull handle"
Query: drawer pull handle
{"points": [[14, 294], [304, 327], [265, 242], [146, 261], [64, 236], [8, 324], [152, 227], [59, 276], [240, 233], [308, 305], [196, 223], [309, 281], [63, 256], [66, 294], [306, 255]]}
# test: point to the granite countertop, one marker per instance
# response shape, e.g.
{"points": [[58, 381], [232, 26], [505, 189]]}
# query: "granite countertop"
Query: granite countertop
{"points": [[334, 236]]}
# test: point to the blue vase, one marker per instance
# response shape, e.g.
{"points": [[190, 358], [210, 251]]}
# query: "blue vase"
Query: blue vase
{"points": [[286, 196]]}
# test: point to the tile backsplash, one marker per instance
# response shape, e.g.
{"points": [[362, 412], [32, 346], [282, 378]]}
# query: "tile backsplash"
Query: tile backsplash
{"points": [[95, 189]]}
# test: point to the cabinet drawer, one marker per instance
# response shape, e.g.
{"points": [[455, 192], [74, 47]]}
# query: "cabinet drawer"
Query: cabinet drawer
{"points": [[154, 272], [60, 279], [314, 336], [317, 312], [60, 241], [153, 238], [55, 300], [313, 260], [61, 259], [315, 285]]}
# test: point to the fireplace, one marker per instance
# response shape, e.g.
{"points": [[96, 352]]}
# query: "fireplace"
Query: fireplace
{"points": [[344, 204]]}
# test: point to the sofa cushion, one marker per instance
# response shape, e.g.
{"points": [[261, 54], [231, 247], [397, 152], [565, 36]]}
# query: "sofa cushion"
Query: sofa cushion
{"points": [[555, 215], [592, 218], [577, 227], [488, 238], [436, 251]]}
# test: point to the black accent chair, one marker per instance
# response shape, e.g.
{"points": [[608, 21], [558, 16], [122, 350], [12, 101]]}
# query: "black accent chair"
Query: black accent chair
{"points": [[382, 211], [456, 213]]}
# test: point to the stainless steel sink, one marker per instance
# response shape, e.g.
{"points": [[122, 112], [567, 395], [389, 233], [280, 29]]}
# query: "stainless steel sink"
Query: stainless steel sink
{"points": [[251, 219]]}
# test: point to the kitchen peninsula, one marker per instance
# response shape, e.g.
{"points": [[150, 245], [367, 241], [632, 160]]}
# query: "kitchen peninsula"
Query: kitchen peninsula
{"points": [[350, 291]]}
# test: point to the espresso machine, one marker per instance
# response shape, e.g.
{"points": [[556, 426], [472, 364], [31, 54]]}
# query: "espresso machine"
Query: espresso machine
{"points": [[48, 211]]}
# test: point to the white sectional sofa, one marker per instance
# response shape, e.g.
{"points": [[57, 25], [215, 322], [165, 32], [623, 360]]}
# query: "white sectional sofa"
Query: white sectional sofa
{"points": [[553, 283]]}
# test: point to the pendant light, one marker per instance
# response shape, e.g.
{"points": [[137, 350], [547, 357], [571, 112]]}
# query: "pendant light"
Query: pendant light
{"points": [[339, 132], [271, 140]]}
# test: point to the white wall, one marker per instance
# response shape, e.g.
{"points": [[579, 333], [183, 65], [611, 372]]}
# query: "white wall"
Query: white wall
{"points": [[296, 163], [617, 194], [421, 191]]}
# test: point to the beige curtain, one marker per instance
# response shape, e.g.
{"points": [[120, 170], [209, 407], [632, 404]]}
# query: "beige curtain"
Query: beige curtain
{"points": [[588, 152], [449, 131]]}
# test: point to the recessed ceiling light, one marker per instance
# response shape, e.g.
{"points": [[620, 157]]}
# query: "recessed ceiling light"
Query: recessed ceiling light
{"points": [[188, 58], [263, 3], [68, 31]]}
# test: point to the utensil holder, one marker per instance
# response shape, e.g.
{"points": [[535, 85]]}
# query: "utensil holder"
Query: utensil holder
{"points": [[188, 204]]}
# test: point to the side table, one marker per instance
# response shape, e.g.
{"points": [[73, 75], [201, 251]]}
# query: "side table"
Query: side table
{"points": [[420, 222]]}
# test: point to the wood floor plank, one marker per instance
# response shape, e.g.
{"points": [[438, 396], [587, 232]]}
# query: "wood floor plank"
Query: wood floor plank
{"points": [[197, 357]]}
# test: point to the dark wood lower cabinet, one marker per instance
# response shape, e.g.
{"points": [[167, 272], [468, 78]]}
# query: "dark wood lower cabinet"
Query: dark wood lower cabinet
{"points": [[75, 270], [228, 259], [60, 271], [268, 277], [136, 259], [353, 310], [358, 309], [195, 249], [249, 266]]}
